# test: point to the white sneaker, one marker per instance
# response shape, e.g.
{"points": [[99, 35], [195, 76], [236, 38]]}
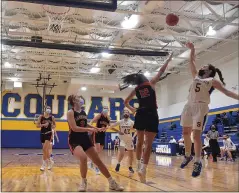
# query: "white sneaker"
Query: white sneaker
{"points": [[83, 186], [115, 186], [51, 158], [43, 166], [142, 175], [50, 164]]}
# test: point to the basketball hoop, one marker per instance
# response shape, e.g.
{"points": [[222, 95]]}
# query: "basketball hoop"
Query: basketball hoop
{"points": [[56, 16]]}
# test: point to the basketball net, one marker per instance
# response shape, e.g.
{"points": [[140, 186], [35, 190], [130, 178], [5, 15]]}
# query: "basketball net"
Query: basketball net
{"points": [[56, 16]]}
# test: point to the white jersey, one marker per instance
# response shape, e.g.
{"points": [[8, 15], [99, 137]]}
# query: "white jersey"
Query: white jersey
{"points": [[126, 140], [200, 90], [125, 126]]}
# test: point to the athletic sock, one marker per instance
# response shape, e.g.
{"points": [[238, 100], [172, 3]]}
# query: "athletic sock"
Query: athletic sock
{"points": [[83, 180], [144, 166], [137, 162], [198, 159], [187, 154], [110, 179]]}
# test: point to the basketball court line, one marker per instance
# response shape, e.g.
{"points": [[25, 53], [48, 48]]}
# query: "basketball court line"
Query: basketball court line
{"points": [[136, 180]]}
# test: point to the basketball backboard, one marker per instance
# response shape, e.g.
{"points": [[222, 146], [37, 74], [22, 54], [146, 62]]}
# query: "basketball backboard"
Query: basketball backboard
{"points": [[105, 5]]}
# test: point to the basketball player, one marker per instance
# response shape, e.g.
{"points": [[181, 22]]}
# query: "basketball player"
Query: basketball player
{"points": [[195, 111], [81, 145], [102, 121], [146, 118], [116, 145], [126, 139], [46, 122]]}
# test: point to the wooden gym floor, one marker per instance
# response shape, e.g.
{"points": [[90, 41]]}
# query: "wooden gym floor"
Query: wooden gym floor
{"points": [[21, 172]]}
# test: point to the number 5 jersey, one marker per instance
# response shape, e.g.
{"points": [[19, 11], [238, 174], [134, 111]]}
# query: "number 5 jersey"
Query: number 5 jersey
{"points": [[200, 90]]}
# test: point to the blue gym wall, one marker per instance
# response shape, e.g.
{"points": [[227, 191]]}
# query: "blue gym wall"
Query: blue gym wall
{"points": [[19, 130]]}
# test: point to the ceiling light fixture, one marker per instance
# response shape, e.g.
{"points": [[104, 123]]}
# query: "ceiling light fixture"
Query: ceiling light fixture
{"points": [[94, 70], [3, 47], [211, 31], [14, 79], [147, 74], [105, 54], [83, 88], [7, 65], [130, 22], [18, 84]]}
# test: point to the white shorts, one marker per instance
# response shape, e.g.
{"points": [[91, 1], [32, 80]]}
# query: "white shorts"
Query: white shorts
{"points": [[126, 142], [232, 149], [194, 115]]}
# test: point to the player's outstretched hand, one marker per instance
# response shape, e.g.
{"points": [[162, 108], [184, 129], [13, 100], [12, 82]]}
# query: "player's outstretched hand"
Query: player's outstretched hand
{"points": [[190, 45]]}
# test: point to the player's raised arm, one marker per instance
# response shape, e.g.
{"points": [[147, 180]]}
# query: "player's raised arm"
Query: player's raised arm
{"points": [[192, 63], [126, 101], [155, 79]]}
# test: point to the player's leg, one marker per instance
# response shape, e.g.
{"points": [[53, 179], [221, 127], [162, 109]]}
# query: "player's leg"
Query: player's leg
{"points": [[199, 120], [139, 147], [44, 159], [120, 157], [149, 138], [93, 155], [130, 160], [186, 122], [82, 157], [48, 139], [99, 148]]}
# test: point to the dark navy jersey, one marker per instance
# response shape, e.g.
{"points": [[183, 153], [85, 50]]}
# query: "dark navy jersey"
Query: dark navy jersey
{"points": [[45, 120], [81, 121], [103, 121], [146, 96]]}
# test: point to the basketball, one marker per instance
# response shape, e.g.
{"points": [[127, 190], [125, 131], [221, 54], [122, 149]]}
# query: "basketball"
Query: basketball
{"points": [[172, 19]]}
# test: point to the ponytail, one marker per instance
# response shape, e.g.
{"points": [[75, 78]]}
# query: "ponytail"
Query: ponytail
{"points": [[71, 99], [220, 76], [215, 70]]}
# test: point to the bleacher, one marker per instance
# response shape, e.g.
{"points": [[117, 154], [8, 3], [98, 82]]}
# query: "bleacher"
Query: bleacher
{"points": [[232, 129]]}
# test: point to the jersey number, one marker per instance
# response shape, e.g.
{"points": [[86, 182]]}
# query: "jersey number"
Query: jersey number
{"points": [[197, 89], [144, 92], [82, 124], [127, 131]]}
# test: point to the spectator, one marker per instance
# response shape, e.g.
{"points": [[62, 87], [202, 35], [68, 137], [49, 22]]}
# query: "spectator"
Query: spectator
{"points": [[109, 142], [181, 146], [172, 126], [217, 119], [172, 140], [237, 118], [213, 143], [225, 119], [206, 146], [117, 142], [228, 147]]}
